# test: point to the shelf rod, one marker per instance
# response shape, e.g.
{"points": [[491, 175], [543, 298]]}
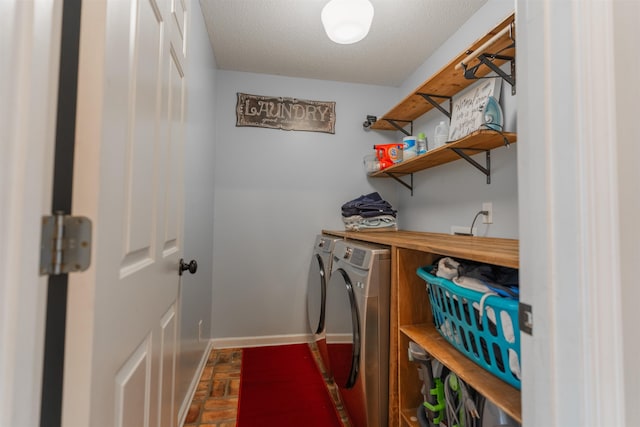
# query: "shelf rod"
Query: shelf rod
{"points": [[429, 97], [394, 123], [483, 47], [408, 186], [484, 170]]}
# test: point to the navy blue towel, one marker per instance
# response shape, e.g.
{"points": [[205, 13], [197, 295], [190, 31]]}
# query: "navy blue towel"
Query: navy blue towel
{"points": [[368, 206]]}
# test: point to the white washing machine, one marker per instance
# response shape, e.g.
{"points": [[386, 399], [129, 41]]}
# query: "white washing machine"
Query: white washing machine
{"points": [[357, 329], [319, 272]]}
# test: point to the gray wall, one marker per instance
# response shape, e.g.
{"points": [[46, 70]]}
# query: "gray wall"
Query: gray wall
{"points": [[195, 290], [451, 194], [275, 190]]}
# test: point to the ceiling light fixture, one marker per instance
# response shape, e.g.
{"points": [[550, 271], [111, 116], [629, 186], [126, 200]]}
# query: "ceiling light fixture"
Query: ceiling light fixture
{"points": [[347, 21]]}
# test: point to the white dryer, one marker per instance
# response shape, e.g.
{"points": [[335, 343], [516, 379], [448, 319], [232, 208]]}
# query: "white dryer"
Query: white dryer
{"points": [[319, 273], [357, 329]]}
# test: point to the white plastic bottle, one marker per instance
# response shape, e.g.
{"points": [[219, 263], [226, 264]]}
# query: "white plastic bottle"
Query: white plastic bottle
{"points": [[441, 135]]}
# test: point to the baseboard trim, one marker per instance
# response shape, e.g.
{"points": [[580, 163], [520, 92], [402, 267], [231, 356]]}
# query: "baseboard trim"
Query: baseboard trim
{"points": [[262, 341], [184, 407]]}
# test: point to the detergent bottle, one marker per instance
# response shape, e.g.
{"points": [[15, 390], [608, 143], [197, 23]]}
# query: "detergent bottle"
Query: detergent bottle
{"points": [[441, 135], [388, 154]]}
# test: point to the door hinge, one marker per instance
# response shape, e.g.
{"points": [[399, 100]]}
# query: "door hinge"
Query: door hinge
{"points": [[525, 318], [65, 246]]}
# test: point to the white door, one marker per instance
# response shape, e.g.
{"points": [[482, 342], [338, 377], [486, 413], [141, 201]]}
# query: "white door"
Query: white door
{"points": [[120, 354]]}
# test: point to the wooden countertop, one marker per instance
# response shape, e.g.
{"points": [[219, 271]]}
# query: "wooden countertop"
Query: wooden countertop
{"points": [[491, 250]]}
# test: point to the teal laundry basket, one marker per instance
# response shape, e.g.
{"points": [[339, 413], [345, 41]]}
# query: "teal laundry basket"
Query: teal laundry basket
{"points": [[484, 327]]}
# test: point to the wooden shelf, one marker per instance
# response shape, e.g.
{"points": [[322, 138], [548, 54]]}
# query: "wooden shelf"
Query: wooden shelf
{"points": [[499, 392], [408, 417], [490, 250], [495, 48], [484, 140], [448, 81]]}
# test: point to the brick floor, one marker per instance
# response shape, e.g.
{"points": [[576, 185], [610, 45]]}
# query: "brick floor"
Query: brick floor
{"points": [[215, 402]]}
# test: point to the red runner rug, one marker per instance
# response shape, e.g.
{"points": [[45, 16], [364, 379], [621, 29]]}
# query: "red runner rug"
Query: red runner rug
{"points": [[282, 386]]}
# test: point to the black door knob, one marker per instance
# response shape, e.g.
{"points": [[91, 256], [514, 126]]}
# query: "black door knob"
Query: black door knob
{"points": [[192, 266]]}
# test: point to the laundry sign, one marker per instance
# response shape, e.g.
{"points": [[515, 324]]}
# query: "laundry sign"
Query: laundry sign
{"points": [[285, 113]]}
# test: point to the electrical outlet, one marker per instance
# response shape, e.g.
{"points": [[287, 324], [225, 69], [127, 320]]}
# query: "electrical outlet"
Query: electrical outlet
{"points": [[487, 219]]}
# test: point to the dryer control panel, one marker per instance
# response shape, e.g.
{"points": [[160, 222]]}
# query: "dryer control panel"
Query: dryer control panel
{"points": [[358, 255], [355, 256]]}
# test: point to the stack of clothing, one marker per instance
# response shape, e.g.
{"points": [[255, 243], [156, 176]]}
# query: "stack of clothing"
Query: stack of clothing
{"points": [[369, 212]]}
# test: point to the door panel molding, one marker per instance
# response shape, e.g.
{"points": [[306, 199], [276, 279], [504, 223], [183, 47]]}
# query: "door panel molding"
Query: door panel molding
{"points": [[144, 97], [168, 352], [132, 388]]}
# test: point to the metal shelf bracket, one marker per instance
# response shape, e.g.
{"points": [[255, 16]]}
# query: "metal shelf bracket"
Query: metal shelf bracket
{"points": [[408, 186], [429, 97], [485, 170], [487, 59], [394, 123]]}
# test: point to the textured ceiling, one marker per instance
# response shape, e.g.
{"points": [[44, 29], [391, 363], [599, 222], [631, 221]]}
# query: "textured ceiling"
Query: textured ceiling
{"points": [[285, 37]]}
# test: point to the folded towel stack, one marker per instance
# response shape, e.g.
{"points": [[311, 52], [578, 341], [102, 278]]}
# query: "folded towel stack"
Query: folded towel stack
{"points": [[369, 212]]}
